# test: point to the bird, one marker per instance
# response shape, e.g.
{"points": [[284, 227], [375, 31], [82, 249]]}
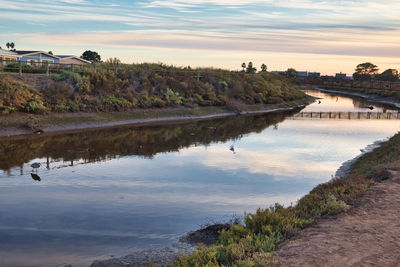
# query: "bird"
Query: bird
{"points": [[232, 148], [35, 165], [35, 177]]}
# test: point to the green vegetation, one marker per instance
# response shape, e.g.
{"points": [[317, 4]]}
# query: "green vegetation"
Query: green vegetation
{"points": [[17, 96], [117, 87], [253, 242]]}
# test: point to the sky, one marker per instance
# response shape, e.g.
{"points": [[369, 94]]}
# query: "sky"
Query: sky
{"points": [[324, 36]]}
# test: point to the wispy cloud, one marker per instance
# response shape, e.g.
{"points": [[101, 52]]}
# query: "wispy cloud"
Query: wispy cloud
{"points": [[339, 27]]}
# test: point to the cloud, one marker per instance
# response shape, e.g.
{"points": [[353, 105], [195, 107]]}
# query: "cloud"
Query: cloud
{"points": [[362, 28]]}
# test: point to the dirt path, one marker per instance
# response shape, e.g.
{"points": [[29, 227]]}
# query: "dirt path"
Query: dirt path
{"points": [[368, 235]]}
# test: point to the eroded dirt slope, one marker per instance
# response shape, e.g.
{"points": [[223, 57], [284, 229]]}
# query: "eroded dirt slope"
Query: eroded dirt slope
{"points": [[368, 235]]}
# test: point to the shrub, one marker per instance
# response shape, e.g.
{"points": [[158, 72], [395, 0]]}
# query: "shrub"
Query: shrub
{"points": [[18, 96]]}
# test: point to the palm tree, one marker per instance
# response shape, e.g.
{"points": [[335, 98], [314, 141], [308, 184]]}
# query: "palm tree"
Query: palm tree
{"points": [[8, 46], [244, 66], [263, 67], [12, 45]]}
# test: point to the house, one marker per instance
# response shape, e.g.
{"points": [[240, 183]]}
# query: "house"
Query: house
{"points": [[7, 56], [36, 57], [314, 74], [340, 76], [302, 74], [73, 60]]}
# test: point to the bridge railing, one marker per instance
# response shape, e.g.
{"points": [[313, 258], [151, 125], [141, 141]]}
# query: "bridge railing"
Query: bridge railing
{"points": [[348, 115]]}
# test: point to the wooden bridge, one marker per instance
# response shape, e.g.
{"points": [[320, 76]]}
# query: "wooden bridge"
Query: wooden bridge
{"points": [[348, 115]]}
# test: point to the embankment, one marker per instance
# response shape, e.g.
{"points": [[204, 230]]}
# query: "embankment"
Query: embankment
{"points": [[22, 123]]}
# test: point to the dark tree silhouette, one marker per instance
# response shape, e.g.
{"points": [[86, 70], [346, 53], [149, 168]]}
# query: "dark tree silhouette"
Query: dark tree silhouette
{"points": [[250, 69], [263, 68], [91, 56], [365, 71], [389, 75], [291, 72], [244, 66]]}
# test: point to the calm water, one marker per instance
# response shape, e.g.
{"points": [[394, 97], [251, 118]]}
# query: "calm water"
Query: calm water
{"points": [[112, 191]]}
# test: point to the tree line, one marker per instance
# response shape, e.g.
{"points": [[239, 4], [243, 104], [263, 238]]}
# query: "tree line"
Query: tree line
{"points": [[369, 71]]}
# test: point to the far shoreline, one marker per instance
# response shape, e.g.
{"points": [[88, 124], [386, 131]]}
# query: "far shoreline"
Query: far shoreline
{"points": [[19, 124]]}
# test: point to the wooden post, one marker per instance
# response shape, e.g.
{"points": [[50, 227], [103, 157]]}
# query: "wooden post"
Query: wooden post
{"points": [[47, 68], [20, 68]]}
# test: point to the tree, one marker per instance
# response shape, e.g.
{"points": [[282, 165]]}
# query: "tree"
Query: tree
{"points": [[50, 53], [12, 45], [91, 56], [389, 75], [250, 69], [365, 71], [291, 72], [243, 66], [113, 62], [8, 46], [263, 68]]}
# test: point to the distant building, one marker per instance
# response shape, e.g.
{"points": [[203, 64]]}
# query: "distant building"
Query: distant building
{"points": [[302, 74], [73, 60], [7, 56], [36, 57], [341, 76], [279, 72], [314, 75]]}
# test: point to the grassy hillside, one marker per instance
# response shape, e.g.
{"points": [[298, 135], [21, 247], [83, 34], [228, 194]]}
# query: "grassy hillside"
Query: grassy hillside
{"points": [[119, 88]]}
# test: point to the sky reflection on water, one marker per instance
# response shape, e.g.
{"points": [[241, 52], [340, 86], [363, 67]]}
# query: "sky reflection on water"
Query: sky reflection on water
{"points": [[137, 194]]}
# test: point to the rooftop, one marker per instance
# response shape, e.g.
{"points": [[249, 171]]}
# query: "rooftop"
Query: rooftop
{"points": [[7, 52]]}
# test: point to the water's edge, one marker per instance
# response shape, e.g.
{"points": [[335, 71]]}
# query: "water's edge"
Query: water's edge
{"points": [[93, 125]]}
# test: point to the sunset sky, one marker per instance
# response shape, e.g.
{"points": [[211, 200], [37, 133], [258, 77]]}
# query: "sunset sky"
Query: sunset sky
{"points": [[325, 36]]}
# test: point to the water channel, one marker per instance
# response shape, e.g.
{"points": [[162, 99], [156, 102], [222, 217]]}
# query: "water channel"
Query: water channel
{"points": [[112, 191]]}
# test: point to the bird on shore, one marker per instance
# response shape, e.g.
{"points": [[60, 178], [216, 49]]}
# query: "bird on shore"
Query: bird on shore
{"points": [[35, 165]]}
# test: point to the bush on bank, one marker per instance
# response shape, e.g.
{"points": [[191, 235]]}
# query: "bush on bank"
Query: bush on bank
{"points": [[158, 85], [253, 242]]}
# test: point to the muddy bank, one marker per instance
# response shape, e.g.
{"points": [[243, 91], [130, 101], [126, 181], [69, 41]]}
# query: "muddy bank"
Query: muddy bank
{"points": [[344, 169], [92, 123], [161, 257]]}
